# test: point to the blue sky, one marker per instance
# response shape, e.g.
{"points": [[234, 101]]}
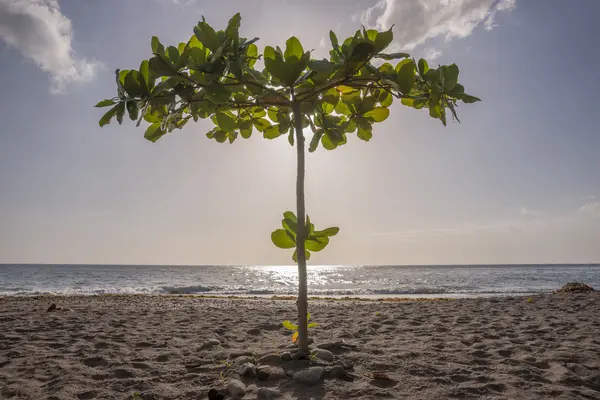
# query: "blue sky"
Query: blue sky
{"points": [[518, 181]]}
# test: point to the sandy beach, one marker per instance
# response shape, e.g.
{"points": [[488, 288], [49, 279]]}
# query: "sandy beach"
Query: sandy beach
{"points": [[180, 347]]}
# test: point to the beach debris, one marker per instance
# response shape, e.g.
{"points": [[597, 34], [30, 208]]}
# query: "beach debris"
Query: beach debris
{"points": [[264, 393], [270, 359], [323, 354], [270, 373], [575, 287], [310, 376], [210, 343], [347, 364], [247, 370], [236, 388], [214, 394], [53, 307], [287, 356]]}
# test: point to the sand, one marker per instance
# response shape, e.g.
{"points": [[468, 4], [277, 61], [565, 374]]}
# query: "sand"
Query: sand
{"points": [[164, 347]]}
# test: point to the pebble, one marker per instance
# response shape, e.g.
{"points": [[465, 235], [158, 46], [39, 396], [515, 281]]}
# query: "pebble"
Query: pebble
{"points": [[214, 394], [267, 394], [337, 371], [248, 370], [324, 355], [287, 356], [269, 373], [236, 388], [242, 360], [270, 359], [310, 376]]}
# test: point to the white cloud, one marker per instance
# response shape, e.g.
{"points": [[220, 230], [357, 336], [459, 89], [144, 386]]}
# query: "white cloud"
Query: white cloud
{"points": [[433, 54], [591, 209], [528, 212], [41, 33], [419, 20]]}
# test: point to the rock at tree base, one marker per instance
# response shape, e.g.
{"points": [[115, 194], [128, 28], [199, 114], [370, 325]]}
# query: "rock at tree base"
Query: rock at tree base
{"points": [[236, 388], [267, 394], [269, 373], [214, 394], [287, 356], [270, 359], [247, 370], [324, 355], [310, 376]]}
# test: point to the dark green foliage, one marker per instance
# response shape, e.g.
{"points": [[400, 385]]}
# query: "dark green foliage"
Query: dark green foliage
{"points": [[212, 75]]}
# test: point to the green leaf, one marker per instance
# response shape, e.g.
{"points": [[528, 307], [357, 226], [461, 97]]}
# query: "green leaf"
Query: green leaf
{"points": [[314, 143], [157, 47], [145, 75], [289, 325], [327, 232], [132, 110], [327, 143], [120, 112], [468, 99], [362, 51], [291, 138], [378, 114], [383, 39], [316, 244], [251, 54], [154, 132], [423, 67], [246, 129], [406, 76], [291, 216], [450, 77], [282, 239], [293, 49], [132, 85], [217, 93], [272, 132], [105, 103], [261, 124], [312, 325], [233, 27], [160, 67], [432, 76], [220, 136], [108, 116], [306, 255], [364, 134], [334, 40], [207, 35], [225, 122], [393, 56]]}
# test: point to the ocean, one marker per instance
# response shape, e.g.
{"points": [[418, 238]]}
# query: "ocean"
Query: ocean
{"points": [[363, 281]]}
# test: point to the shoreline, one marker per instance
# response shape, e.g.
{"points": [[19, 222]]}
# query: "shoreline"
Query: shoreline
{"points": [[180, 347]]}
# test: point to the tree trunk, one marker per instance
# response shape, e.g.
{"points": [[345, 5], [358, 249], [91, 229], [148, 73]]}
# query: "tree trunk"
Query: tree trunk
{"points": [[302, 301]]}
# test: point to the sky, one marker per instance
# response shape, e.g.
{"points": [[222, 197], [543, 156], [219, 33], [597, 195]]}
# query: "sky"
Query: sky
{"points": [[517, 181]]}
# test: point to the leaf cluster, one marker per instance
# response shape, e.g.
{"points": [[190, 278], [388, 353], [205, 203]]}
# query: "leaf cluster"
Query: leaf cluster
{"points": [[316, 240], [214, 76]]}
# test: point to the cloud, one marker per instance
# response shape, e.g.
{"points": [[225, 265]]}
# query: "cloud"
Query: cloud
{"points": [[416, 21], [433, 54], [591, 209], [531, 222], [41, 33]]}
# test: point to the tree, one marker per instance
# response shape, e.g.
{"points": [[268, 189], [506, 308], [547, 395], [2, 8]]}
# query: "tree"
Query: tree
{"points": [[213, 75]]}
